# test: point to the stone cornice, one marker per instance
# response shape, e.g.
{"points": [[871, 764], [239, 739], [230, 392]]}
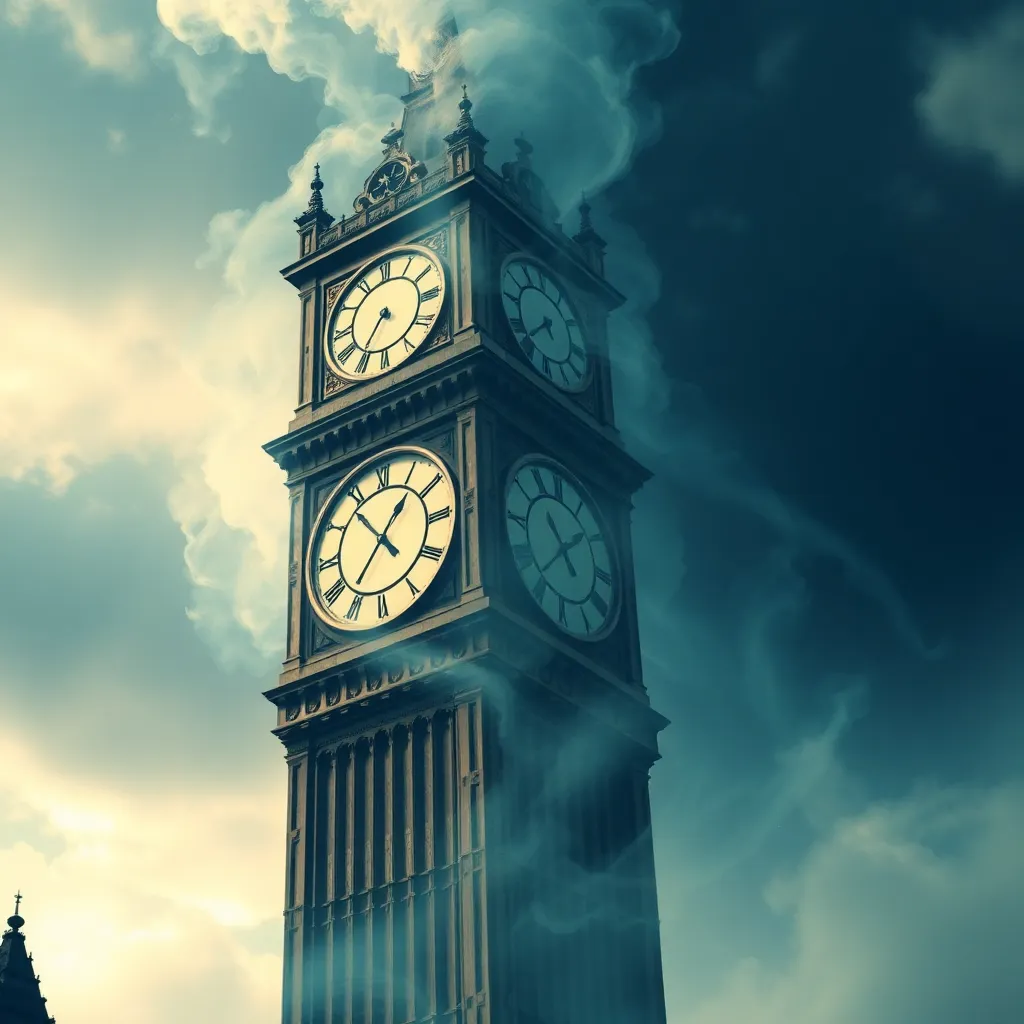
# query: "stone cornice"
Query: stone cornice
{"points": [[444, 381], [467, 655], [480, 183]]}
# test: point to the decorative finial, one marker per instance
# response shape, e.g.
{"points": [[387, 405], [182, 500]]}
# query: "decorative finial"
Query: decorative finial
{"points": [[316, 200], [465, 131], [524, 149], [392, 138], [585, 224], [15, 921]]}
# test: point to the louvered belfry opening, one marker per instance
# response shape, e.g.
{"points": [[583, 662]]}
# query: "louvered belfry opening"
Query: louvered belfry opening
{"points": [[385, 903], [477, 862]]}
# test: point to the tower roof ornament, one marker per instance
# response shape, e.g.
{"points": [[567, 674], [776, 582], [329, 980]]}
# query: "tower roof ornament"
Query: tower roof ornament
{"points": [[20, 998], [592, 244], [465, 130], [392, 139], [316, 200], [315, 212]]}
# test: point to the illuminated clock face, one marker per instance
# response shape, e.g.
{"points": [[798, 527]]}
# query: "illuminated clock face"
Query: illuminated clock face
{"points": [[380, 539], [388, 180], [560, 548], [385, 313], [544, 323]]}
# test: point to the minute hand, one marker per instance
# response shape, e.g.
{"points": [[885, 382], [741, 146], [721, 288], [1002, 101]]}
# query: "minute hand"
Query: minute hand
{"points": [[382, 538]]}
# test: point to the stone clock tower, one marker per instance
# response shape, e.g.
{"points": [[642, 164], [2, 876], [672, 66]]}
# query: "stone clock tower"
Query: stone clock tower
{"points": [[468, 737]]}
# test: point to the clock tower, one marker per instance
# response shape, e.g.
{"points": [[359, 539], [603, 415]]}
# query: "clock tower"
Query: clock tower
{"points": [[467, 734]]}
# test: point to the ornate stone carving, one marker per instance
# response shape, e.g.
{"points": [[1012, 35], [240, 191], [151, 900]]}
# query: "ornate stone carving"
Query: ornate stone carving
{"points": [[332, 295], [293, 574], [374, 678], [470, 499], [333, 694], [353, 686], [321, 641], [438, 241], [331, 383], [291, 712], [312, 702]]}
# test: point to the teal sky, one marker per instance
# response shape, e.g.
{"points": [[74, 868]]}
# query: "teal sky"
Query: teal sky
{"points": [[816, 259]]}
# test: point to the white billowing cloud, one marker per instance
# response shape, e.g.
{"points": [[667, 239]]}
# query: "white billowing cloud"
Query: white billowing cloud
{"points": [[81, 385], [909, 911], [147, 901], [203, 77], [974, 98], [114, 50]]}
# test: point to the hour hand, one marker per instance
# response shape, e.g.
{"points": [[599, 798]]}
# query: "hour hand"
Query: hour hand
{"points": [[381, 539]]}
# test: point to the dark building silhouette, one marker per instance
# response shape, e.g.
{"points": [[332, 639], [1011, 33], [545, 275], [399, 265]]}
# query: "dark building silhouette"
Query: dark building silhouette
{"points": [[20, 999], [467, 734]]}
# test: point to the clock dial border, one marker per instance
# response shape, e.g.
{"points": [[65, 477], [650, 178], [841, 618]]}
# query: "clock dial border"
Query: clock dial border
{"points": [[352, 281], [329, 506], [588, 371], [612, 619]]}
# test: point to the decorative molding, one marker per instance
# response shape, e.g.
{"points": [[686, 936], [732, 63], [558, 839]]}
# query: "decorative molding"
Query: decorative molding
{"points": [[291, 712], [321, 641], [438, 241], [331, 383], [312, 703], [293, 574], [332, 295]]}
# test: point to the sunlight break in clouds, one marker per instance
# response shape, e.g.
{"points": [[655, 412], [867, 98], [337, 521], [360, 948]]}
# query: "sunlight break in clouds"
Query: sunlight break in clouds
{"points": [[132, 916]]}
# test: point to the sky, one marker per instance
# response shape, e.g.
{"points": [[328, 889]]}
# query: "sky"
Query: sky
{"points": [[817, 214]]}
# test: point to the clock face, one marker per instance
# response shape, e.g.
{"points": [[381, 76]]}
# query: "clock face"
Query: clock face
{"points": [[380, 539], [544, 323], [388, 180], [385, 313], [560, 549]]}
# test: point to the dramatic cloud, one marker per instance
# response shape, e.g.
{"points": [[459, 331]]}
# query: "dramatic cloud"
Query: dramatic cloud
{"points": [[972, 101], [907, 911]]}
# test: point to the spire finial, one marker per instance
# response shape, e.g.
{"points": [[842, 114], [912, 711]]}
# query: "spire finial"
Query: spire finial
{"points": [[15, 921], [585, 224], [316, 200]]}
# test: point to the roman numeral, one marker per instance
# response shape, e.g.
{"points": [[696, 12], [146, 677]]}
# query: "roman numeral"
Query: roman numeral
{"points": [[385, 359], [405, 269], [561, 611], [334, 592], [559, 484], [364, 284], [575, 351], [413, 589], [434, 554], [433, 483], [586, 621], [539, 589], [603, 576], [509, 295], [528, 347], [338, 335], [385, 271], [353, 608], [382, 606], [441, 513], [383, 475], [346, 352], [423, 273], [335, 526], [517, 324], [561, 370], [523, 554], [423, 319], [408, 476], [408, 344], [364, 362], [517, 519], [545, 364], [526, 273], [357, 494], [599, 603], [430, 293], [326, 563], [538, 480]]}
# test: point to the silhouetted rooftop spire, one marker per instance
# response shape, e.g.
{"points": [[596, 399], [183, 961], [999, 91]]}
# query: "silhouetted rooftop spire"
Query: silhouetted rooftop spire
{"points": [[316, 200], [20, 999]]}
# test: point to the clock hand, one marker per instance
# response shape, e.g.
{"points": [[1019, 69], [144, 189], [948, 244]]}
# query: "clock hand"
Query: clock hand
{"points": [[544, 325], [382, 538], [385, 314], [554, 529], [561, 553]]}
